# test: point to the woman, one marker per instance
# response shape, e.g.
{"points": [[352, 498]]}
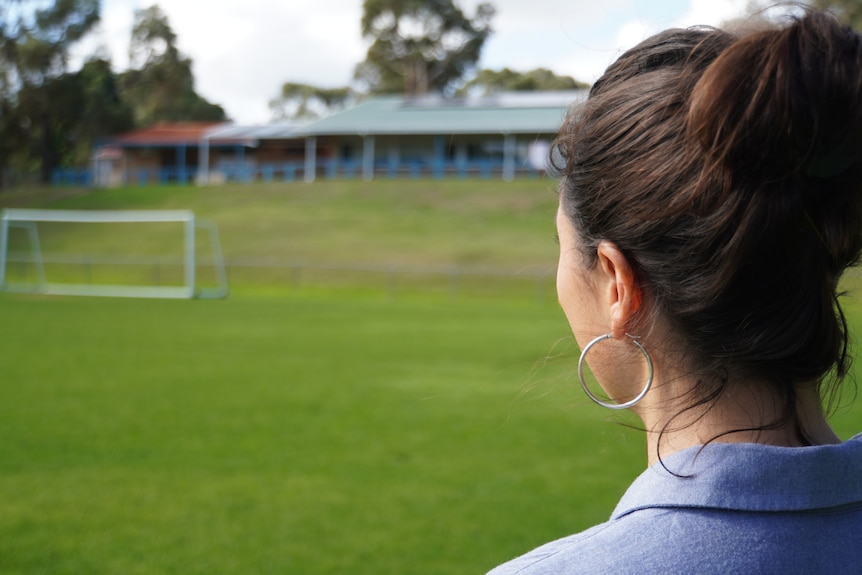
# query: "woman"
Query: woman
{"points": [[710, 200]]}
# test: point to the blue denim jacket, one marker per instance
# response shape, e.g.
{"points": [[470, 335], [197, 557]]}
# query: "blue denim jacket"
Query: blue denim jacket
{"points": [[734, 508]]}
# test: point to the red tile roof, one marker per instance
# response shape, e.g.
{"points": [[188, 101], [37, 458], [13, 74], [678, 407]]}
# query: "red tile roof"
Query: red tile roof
{"points": [[189, 133]]}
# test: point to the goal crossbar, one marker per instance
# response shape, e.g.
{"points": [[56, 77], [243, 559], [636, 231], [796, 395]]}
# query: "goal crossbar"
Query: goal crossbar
{"points": [[98, 216], [26, 219]]}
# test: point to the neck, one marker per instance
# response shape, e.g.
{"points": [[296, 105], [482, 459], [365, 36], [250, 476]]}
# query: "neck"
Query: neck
{"points": [[745, 412]]}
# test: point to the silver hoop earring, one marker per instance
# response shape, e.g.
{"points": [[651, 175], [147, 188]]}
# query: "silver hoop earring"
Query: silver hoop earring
{"points": [[589, 393]]}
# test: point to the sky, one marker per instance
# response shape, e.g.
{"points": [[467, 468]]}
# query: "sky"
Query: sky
{"points": [[244, 50]]}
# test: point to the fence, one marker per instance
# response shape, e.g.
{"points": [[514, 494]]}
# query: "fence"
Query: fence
{"points": [[392, 280], [295, 171]]}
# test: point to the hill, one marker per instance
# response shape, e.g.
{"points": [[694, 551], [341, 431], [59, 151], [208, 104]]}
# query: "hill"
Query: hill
{"points": [[400, 222]]}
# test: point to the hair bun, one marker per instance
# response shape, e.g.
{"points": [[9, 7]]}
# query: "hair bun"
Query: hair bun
{"points": [[783, 102]]}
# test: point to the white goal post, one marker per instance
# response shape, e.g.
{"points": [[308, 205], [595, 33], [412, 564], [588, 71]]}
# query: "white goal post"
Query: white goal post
{"points": [[27, 219]]}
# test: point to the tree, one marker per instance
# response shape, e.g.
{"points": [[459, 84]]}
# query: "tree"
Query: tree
{"points": [[299, 101], [507, 80], [39, 99], [849, 10], [420, 46], [65, 116], [36, 37], [160, 85], [102, 113], [49, 113]]}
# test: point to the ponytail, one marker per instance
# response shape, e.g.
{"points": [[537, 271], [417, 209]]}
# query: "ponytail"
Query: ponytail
{"points": [[729, 171], [780, 112]]}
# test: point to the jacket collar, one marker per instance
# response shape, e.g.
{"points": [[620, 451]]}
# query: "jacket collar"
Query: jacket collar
{"points": [[751, 477]]}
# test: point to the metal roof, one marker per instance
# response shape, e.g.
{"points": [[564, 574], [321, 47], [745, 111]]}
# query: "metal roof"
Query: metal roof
{"points": [[510, 113], [192, 133], [505, 113], [235, 132]]}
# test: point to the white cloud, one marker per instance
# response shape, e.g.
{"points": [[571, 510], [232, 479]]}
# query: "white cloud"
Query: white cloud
{"points": [[711, 12], [243, 50], [582, 37], [632, 33]]}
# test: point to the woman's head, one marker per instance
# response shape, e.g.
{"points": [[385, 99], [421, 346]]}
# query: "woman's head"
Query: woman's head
{"points": [[728, 172]]}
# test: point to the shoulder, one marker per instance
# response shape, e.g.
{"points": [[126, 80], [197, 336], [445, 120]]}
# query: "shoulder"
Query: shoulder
{"points": [[704, 541], [554, 556], [742, 509], [618, 546]]}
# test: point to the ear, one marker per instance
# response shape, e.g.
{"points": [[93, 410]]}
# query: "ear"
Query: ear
{"points": [[619, 288]]}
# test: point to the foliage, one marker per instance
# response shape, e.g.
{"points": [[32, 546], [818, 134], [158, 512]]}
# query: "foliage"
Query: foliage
{"points": [[103, 111], [420, 46], [65, 116], [36, 38], [51, 116], [40, 99], [160, 86], [849, 10], [490, 81], [298, 101], [49, 112]]}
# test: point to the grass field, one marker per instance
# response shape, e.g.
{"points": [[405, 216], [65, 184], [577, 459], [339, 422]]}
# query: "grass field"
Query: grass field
{"points": [[305, 434], [326, 234], [307, 430], [399, 222]]}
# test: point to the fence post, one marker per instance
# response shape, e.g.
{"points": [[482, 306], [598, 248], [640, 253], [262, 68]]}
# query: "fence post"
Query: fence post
{"points": [[454, 283], [392, 282], [297, 275]]}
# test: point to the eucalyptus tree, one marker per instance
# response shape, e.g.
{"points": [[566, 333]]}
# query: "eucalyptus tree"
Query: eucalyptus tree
{"points": [[39, 99], [303, 101], [420, 46], [160, 86], [507, 80], [849, 10]]}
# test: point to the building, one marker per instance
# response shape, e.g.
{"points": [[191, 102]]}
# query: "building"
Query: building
{"points": [[162, 153], [503, 135]]}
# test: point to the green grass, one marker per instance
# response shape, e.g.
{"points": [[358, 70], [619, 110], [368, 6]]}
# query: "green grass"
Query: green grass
{"points": [[308, 427], [395, 235], [304, 434], [399, 222]]}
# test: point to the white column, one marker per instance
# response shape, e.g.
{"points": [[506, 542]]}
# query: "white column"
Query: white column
{"points": [[310, 158], [204, 161], [368, 158]]}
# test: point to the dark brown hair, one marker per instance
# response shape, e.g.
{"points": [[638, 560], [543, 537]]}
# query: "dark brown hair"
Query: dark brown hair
{"points": [[727, 169]]}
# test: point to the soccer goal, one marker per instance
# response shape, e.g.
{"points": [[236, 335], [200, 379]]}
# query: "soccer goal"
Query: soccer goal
{"points": [[119, 253]]}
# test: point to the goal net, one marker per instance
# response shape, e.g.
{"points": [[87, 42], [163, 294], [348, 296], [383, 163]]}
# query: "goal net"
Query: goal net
{"points": [[120, 253]]}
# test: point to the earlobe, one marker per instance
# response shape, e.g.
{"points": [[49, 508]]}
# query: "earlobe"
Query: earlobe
{"points": [[622, 292]]}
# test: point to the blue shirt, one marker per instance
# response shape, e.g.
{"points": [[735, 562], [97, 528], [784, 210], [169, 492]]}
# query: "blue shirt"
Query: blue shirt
{"points": [[738, 508]]}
